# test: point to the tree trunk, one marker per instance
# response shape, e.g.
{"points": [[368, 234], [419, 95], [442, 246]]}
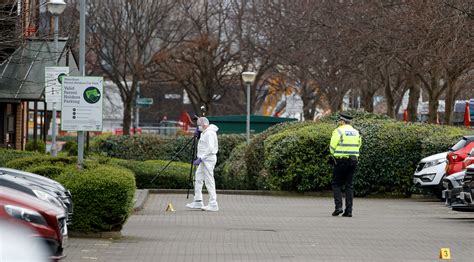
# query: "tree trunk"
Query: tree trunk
{"points": [[336, 104], [390, 100], [433, 98], [208, 110], [308, 108], [368, 101], [127, 115], [307, 95], [413, 99], [433, 110], [449, 102]]}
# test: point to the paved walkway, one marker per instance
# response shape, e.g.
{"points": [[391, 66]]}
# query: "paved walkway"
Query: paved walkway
{"points": [[275, 228]]}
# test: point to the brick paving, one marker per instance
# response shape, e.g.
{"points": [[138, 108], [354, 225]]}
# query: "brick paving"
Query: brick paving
{"points": [[277, 228]]}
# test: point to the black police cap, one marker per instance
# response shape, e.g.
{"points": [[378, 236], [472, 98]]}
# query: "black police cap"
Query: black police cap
{"points": [[344, 116]]}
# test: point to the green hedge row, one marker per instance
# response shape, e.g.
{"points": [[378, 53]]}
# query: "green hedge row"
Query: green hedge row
{"points": [[254, 155], [35, 145], [103, 197], [153, 147], [7, 155], [175, 176], [39, 160], [297, 159], [294, 156]]}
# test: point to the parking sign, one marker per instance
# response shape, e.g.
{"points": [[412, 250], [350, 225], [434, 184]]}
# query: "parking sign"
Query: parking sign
{"points": [[82, 99]]}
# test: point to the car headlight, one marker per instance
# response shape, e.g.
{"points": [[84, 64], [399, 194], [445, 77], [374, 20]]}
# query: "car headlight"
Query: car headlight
{"points": [[48, 198], [435, 162], [25, 214], [446, 184]]}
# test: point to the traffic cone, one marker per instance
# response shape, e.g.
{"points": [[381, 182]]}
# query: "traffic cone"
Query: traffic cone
{"points": [[170, 208], [467, 115]]}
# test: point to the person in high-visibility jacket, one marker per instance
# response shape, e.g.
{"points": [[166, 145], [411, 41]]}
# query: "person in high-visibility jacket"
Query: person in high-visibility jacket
{"points": [[344, 147]]}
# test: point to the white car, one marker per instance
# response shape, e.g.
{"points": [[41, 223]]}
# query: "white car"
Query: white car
{"points": [[430, 172]]}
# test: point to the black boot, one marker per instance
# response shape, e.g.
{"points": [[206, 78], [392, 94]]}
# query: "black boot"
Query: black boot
{"points": [[337, 212], [347, 214]]}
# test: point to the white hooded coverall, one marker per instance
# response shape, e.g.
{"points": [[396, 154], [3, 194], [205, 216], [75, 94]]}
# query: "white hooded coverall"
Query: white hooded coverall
{"points": [[207, 150]]}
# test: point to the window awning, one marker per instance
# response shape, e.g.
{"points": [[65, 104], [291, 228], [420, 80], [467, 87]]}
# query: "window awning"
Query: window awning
{"points": [[22, 75]]}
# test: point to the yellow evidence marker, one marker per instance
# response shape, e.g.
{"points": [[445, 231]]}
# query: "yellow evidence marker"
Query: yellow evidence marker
{"points": [[170, 207], [444, 253]]}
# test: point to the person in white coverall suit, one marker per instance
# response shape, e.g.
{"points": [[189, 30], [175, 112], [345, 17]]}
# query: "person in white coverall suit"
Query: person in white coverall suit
{"points": [[206, 160]]}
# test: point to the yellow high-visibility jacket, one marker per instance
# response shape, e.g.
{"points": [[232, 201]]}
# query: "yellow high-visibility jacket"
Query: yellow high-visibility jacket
{"points": [[345, 142]]}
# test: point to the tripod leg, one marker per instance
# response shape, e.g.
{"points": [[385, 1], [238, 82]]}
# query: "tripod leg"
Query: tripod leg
{"points": [[172, 159], [190, 184]]}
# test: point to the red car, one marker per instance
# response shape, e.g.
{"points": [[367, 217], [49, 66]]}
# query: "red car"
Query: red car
{"points": [[46, 220], [458, 153]]}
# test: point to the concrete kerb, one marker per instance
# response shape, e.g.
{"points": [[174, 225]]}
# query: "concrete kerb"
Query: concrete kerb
{"points": [[139, 199], [326, 193], [107, 234], [244, 192]]}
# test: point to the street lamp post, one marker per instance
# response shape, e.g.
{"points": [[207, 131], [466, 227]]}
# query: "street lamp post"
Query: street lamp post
{"points": [[82, 70], [55, 7], [249, 78]]}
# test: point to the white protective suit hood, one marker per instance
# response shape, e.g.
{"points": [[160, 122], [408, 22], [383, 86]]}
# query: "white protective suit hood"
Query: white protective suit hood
{"points": [[208, 145]]}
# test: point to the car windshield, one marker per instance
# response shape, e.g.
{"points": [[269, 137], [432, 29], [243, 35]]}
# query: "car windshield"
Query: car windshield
{"points": [[459, 145]]}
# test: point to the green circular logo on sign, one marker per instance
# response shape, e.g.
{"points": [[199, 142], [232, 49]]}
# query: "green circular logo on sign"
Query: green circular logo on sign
{"points": [[61, 77], [92, 95]]}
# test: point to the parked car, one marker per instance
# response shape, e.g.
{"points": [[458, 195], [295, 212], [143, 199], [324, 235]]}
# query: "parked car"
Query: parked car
{"points": [[51, 186], [430, 172], [452, 188], [45, 219], [467, 193], [33, 189], [469, 160], [458, 153]]}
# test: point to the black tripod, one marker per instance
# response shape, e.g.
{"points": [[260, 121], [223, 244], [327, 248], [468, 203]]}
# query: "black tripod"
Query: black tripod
{"points": [[194, 148], [194, 139]]}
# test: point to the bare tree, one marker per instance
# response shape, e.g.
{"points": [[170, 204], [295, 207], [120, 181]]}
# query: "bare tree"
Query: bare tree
{"points": [[204, 62], [10, 27], [124, 36]]}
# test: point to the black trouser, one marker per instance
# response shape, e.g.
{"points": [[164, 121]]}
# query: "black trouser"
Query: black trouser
{"points": [[343, 175]]}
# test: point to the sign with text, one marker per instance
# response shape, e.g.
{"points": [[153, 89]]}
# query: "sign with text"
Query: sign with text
{"points": [[82, 103], [53, 79]]}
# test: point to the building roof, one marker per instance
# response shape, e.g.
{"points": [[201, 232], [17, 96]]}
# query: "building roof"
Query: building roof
{"points": [[22, 75]]}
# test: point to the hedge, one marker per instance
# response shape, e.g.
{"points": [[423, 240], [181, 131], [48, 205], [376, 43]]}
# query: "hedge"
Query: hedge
{"points": [[7, 155], [47, 170], [103, 197], [234, 173], [70, 147], [175, 176], [35, 145], [295, 159], [255, 153], [357, 115], [39, 160], [142, 147], [153, 147]]}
